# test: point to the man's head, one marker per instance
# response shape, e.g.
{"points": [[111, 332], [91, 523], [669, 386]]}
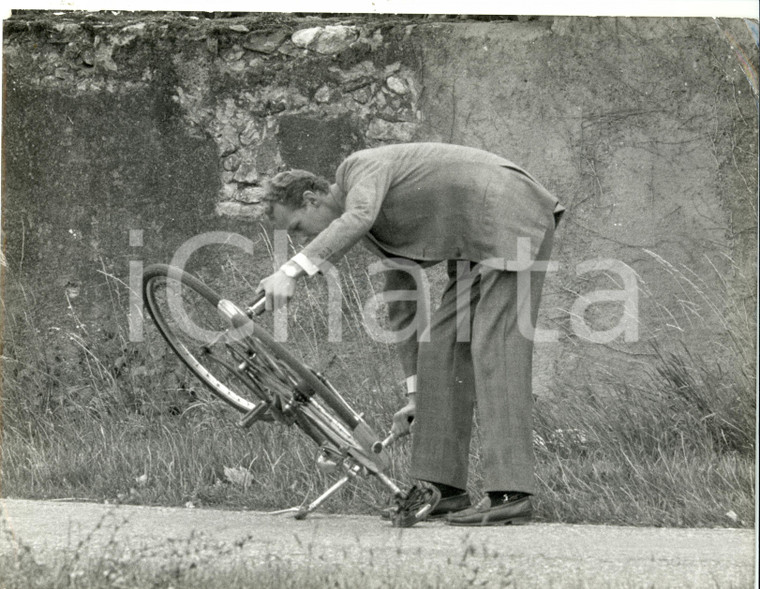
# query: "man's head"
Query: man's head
{"points": [[300, 202]]}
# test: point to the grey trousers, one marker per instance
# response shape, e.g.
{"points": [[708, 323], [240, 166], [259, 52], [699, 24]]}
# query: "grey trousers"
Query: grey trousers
{"points": [[479, 357]]}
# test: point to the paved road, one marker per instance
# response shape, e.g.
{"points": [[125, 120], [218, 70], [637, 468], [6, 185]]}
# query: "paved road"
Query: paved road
{"points": [[537, 555]]}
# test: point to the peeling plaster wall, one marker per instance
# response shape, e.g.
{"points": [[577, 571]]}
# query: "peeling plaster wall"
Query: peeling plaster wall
{"points": [[645, 128]]}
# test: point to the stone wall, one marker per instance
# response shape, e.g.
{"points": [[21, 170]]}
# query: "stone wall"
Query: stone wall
{"points": [[646, 129]]}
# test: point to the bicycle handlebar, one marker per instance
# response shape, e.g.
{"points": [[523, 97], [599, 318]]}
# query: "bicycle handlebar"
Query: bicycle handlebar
{"points": [[258, 306], [378, 446]]}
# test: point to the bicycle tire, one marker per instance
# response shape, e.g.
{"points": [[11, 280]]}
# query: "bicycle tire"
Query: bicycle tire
{"points": [[152, 277], [333, 423]]}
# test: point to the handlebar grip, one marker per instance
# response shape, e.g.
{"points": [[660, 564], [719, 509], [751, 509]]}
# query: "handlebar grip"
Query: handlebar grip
{"points": [[378, 446], [258, 306]]}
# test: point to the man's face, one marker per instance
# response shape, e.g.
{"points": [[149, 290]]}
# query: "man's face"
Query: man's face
{"points": [[305, 222]]}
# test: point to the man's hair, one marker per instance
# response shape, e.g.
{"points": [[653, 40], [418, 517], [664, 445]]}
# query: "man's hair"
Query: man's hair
{"points": [[287, 188]]}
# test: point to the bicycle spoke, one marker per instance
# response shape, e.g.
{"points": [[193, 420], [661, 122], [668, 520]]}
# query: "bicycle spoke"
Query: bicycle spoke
{"points": [[233, 372], [197, 333]]}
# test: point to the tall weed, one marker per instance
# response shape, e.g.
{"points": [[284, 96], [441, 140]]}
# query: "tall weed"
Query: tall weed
{"points": [[89, 414]]}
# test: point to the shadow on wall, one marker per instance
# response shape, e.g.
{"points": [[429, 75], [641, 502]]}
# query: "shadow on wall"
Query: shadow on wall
{"points": [[318, 145]]}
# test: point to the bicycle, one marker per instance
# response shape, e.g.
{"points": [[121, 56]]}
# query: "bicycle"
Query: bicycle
{"points": [[241, 363]]}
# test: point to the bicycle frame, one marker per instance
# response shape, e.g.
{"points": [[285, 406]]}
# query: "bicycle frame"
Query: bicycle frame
{"points": [[357, 451]]}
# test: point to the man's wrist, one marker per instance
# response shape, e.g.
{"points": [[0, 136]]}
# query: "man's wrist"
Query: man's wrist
{"points": [[301, 260], [411, 385]]}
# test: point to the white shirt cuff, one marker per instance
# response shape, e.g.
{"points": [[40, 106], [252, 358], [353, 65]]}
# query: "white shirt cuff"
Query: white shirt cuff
{"points": [[308, 266], [411, 384]]}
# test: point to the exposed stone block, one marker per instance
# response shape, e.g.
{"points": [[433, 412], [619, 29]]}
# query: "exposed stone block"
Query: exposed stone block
{"points": [[250, 133], [229, 191], [397, 85], [239, 209], [246, 173], [234, 54], [357, 84], [323, 94], [392, 68], [103, 57], [226, 147], [326, 40], [264, 41], [291, 50], [231, 162], [70, 29], [362, 71], [362, 95], [251, 195], [305, 37], [63, 74], [387, 131]]}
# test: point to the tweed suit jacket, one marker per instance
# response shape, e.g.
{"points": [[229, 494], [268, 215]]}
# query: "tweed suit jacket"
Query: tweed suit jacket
{"points": [[430, 202], [434, 201]]}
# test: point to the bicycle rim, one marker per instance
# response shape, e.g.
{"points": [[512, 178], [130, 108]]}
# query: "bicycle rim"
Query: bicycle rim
{"points": [[185, 313]]}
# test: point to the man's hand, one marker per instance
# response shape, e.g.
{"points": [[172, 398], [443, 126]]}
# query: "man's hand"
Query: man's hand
{"points": [[404, 417], [279, 289]]}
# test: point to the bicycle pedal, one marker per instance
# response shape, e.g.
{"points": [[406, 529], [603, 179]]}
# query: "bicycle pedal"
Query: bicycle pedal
{"points": [[254, 415], [416, 506]]}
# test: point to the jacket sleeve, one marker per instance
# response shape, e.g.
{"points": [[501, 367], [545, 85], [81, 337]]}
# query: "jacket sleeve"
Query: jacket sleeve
{"points": [[365, 185]]}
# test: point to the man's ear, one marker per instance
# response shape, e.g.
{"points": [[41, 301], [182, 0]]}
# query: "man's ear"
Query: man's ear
{"points": [[310, 198]]}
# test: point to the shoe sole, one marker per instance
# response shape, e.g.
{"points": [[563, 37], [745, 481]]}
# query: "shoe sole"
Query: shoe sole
{"points": [[436, 517], [515, 521], [444, 515]]}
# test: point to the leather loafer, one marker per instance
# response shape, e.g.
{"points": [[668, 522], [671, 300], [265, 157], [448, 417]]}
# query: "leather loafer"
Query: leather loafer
{"points": [[450, 505], [514, 512]]}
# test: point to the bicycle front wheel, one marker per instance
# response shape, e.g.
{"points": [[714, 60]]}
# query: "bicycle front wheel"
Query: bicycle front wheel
{"points": [[185, 311], [240, 362]]}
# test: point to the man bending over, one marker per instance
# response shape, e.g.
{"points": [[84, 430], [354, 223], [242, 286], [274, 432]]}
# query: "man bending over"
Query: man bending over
{"points": [[493, 224]]}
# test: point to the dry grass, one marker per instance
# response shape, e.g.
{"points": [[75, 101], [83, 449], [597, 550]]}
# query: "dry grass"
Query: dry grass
{"points": [[675, 450]]}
